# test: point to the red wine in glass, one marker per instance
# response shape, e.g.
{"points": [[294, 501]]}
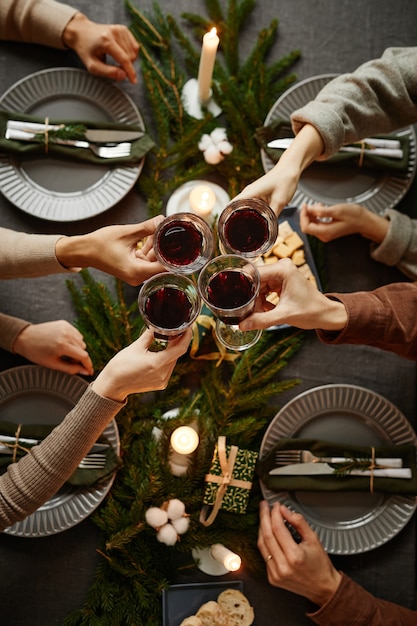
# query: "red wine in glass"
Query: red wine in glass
{"points": [[179, 242], [246, 230], [230, 289], [248, 227], [183, 243], [169, 304], [168, 308]]}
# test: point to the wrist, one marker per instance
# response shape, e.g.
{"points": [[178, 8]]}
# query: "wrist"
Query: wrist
{"points": [[327, 588], [71, 33], [372, 226], [73, 251], [334, 317]]}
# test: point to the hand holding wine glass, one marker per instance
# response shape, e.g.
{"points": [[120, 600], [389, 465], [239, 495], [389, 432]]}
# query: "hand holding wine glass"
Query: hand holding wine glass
{"points": [[229, 285]]}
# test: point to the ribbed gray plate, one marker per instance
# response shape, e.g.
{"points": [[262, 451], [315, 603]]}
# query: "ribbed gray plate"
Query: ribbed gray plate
{"points": [[348, 522], [64, 191], [378, 190], [31, 394]]}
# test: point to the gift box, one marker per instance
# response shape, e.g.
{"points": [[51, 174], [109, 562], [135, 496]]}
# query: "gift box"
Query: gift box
{"points": [[229, 481]]}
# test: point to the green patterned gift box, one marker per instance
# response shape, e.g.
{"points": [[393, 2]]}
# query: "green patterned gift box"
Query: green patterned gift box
{"points": [[229, 481]]}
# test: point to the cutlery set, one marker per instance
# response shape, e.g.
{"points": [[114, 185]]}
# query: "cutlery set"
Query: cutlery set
{"points": [[95, 459], [390, 148], [105, 144], [304, 463]]}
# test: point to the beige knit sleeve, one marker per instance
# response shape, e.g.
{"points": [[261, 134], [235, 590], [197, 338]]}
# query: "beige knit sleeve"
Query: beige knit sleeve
{"points": [[10, 328], [35, 21]]}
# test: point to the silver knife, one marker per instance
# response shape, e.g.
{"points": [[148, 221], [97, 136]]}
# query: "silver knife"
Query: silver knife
{"points": [[322, 469], [283, 144], [97, 135]]}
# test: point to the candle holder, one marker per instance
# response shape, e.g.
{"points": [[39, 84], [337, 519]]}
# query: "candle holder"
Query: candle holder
{"points": [[179, 201], [217, 560], [192, 104]]}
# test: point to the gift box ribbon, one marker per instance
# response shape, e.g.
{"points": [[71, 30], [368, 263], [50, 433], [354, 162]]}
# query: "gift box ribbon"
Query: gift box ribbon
{"points": [[224, 481]]}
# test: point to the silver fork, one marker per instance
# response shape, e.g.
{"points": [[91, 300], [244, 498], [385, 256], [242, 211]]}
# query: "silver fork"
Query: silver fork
{"points": [[288, 457], [104, 152], [93, 461]]}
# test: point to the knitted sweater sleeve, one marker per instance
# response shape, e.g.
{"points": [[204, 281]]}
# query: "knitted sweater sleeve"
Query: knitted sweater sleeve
{"points": [[24, 255], [378, 97], [35, 21], [399, 247], [37, 476], [352, 604]]}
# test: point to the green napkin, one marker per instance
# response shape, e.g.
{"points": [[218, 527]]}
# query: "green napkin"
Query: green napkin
{"points": [[81, 477], [140, 146], [336, 482], [282, 128]]}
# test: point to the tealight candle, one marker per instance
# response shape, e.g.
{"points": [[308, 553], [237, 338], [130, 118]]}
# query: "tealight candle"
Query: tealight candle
{"points": [[202, 200], [207, 59], [230, 560], [184, 440]]}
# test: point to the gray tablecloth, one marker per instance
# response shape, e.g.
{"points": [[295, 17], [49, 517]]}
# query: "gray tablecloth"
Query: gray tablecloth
{"points": [[42, 580]]}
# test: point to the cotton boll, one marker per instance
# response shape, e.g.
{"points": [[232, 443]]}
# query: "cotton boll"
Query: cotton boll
{"points": [[205, 142], [225, 147], [175, 509], [218, 135], [181, 525], [156, 517], [213, 155], [167, 534]]}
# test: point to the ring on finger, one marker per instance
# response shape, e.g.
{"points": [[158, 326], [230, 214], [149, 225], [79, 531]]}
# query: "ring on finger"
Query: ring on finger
{"points": [[268, 558]]}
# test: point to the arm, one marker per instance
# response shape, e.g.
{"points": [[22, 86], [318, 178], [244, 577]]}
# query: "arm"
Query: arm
{"points": [[58, 25], [38, 475], [393, 235], [383, 318], [378, 97], [304, 568], [112, 249]]}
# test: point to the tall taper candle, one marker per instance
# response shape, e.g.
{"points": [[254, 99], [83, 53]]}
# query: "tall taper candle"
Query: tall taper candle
{"points": [[205, 70]]}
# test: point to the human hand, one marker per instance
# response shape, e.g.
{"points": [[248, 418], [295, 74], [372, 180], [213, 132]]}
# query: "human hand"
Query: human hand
{"points": [[136, 369], [114, 250], [303, 568], [331, 222], [93, 41], [57, 345], [300, 303], [278, 186]]}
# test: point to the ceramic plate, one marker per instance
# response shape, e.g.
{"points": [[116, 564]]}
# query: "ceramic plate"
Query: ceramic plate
{"points": [[349, 522], [35, 395], [377, 190], [180, 601], [66, 191]]}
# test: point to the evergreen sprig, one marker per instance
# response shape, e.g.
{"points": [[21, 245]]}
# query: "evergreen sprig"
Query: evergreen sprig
{"points": [[244, 90]]}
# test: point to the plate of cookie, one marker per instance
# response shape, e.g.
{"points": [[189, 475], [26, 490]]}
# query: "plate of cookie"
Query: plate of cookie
{"points": [[199, 604]]}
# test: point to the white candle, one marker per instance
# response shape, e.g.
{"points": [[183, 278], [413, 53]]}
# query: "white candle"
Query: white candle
{"points": [[202, 200], [184, 440], [205, 70], [226, 557]]}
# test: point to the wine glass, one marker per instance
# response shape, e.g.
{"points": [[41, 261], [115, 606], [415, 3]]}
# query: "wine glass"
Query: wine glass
{"points": [[229, 285], [247, 227], [183, 243], [169, 304]]}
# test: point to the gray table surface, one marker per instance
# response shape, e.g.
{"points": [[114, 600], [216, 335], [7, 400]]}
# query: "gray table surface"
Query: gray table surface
{"points": [[42, 580]]}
